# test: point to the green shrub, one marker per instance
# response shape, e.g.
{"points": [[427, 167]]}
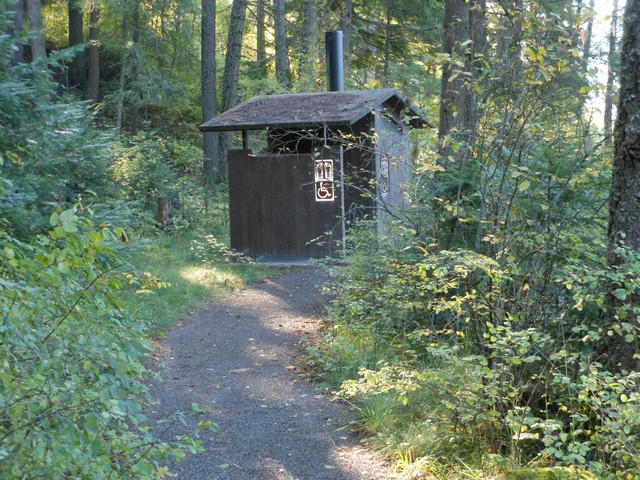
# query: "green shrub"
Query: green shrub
{"points": [[51, 149], [148, 166], [72, 398], [441, 347], [557, 473]]}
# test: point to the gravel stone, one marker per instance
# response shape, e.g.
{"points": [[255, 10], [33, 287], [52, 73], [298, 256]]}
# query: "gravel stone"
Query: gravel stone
{"points": [[238, 359]]}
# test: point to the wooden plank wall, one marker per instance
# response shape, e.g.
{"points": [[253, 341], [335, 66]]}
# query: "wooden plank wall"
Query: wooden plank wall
{"points": [[393, 143], [272, 207]]}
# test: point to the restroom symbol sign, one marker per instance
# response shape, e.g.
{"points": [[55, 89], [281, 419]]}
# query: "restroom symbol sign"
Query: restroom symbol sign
{"points": [[323, 173]]}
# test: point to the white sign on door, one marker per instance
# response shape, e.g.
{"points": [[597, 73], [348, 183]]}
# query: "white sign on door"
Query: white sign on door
{"points": [[323, 172]]}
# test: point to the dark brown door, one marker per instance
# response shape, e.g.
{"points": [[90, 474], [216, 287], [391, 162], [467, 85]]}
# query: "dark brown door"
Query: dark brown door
{"points": [[273, 208]]}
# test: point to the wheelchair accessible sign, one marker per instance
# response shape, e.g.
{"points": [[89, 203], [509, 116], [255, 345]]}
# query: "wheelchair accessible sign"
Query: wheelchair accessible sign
{"points": [[324, 180]]}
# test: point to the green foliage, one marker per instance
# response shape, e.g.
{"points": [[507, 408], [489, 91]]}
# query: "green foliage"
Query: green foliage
{"points": [[443, 359], [211, 250], [557, 473], [533, 160], [71, 397], [148, 166], [161, 71], [72, 363], [51, 149]]}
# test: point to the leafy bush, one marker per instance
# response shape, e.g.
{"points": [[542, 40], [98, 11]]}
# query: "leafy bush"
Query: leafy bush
{"points": [[52, 151], [441, 362], [72, 360], [148, 166]]}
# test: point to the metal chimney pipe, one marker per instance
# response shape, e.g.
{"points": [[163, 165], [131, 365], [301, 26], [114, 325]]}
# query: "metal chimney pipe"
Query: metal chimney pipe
{"points": [[335, 60]]}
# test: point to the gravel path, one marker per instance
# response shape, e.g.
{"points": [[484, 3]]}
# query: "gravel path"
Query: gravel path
{"points": [[237, 360]]}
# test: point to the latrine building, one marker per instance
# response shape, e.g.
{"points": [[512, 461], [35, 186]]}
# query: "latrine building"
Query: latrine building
{"points": [[327, 159]]}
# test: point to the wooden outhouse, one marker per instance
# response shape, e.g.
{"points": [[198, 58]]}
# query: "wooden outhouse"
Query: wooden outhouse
{"points": [[326, 160]]}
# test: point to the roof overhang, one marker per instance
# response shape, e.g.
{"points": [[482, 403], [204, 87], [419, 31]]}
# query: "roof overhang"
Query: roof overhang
{"points": [[306, 110]]}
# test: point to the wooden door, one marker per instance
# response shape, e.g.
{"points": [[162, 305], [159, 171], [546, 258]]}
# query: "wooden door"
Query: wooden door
{"points": [[273, 209]]}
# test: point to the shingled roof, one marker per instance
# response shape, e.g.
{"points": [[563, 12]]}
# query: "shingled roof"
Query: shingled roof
{"points": [[331, 109]]}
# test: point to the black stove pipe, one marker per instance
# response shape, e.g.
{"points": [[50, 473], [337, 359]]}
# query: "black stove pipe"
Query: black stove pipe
{"points": [[335, 60]]}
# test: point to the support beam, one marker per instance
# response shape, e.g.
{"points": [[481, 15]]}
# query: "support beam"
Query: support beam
{"points": [[245, 140]]}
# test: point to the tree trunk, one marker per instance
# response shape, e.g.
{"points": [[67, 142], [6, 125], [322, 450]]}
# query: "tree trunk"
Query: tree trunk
{"points": [[261, 45], [230, 76], [234, 53], [464, 39], [93, 60], [164, 211], [387, 44], [209, 89], [346, 25], [282, 54], [18, 25], [624, 214], [478, 35], [38, 46], [309, 42], [588, 37], [77, 71], [509, 42], [123, 72], [135, 93], [454, 97], [611, 76]]}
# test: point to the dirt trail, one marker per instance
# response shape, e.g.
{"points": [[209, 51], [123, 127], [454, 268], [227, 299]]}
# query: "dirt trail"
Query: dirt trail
{"points": [[236, 359]]}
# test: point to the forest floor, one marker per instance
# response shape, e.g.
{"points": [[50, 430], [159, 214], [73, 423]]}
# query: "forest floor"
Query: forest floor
{"points": [[240, 360]]}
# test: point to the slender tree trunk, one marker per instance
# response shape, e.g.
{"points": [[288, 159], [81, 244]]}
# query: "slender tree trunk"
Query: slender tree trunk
{"points": [[38, 46], [209, 89], [509, 45], [282, 54], [93, 60], [464, 21], [588, 38], [261, 45], [230, 76], [77, 71], [346, 25], [309, 42], [464, 39], [611, 76], [453, 104], [123, 72], [135, 92], [387, 43], [18, 26], [624, 215], [478, 35]]}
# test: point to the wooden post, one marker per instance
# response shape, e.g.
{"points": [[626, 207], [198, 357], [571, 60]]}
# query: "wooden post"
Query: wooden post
{"points": [[164, 211], [245, 140]]}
